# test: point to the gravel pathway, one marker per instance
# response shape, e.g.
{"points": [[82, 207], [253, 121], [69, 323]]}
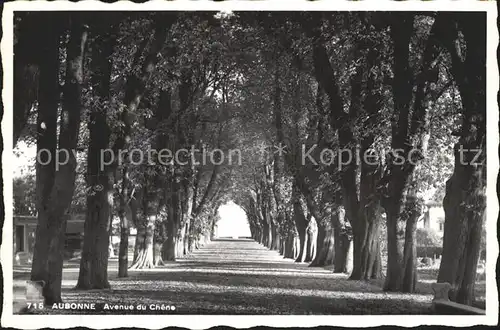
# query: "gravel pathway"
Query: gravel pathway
{"points": [[230, 276]]}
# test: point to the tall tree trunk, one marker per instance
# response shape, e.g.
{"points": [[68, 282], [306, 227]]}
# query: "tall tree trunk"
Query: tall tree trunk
{"points": [[325, 247], [401, 249], [267, 235], [144, 245], [278, 164], [143, 257], [123, 250], [275, 238], [160, 235], [366, 263], [395, 246], [342, 248], [462, 232], [321, 240], [410, 132], [338, 120], [94, 261], [289, 247], [401, 31], [366, 242], [95, 253], [187, 230], [300, 222], [127, 208], [410, 247], [212, 232], [168, 248], [172, 226], [47, 140], [342, 241], [157, 254], [325, 242], [49, 243], [193, 240], [401, 245], [296, 248], [348, 182], [179, 247], [167, 224], [365, 228], [140, 236], [309, 246], [465, 200], [187, 211]]}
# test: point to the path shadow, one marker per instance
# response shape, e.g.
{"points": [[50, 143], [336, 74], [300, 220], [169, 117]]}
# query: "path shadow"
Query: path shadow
{"points": [[258, 303]]}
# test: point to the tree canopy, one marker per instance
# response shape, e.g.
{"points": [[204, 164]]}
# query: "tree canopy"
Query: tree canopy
{"points": [[323, 126]]}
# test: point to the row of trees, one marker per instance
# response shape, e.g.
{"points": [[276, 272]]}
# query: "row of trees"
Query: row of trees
{"points": [[369, 83], [288, 91]]}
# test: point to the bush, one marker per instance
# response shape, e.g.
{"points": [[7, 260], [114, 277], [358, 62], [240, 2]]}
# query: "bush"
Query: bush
{"points": [[428, 237], [429, 251], [429, 244]]}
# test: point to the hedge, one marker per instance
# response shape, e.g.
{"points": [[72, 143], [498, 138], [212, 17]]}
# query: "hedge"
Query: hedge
{"points": [[430, 251]]}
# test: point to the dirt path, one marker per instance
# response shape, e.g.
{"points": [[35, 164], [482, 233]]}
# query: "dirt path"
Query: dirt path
{"points": [[242, 277]]}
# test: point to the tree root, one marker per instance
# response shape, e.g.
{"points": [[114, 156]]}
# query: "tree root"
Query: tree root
{"points": [[144, 260]]}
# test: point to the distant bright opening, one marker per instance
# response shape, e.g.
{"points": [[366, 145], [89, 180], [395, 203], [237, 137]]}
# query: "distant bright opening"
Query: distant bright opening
{"points": [[233, 222]]}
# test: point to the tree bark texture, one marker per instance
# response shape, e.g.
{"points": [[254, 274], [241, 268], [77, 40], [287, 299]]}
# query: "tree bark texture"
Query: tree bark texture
{"points": [[55, 186]]}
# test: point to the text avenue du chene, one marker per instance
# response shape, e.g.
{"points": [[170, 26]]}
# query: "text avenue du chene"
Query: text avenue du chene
{"points": [[111, 307]]}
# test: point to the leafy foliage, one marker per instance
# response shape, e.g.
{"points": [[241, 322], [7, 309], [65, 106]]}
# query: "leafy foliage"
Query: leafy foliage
{"points": [[428, 237], [251, 82]]}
